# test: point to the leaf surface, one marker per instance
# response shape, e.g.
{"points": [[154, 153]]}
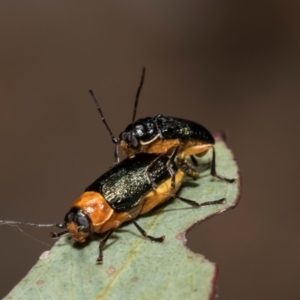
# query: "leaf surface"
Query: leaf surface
{"points": [[135, 268]]}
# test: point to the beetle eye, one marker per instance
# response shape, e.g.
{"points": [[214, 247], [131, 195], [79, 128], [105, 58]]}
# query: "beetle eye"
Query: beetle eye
{"points": [[123, 136], [132, 140], [83, 223]]}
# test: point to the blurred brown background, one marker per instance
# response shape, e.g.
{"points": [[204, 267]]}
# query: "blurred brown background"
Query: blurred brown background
{"points": [[230, 65]]}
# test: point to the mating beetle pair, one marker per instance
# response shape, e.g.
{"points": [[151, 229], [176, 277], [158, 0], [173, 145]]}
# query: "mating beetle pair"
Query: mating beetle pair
{"points": [[151, 174]]}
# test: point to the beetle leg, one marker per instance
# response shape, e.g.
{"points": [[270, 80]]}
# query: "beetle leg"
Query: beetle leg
{"points": [[187, 168], [56, 235], [196, 204], [144, 233], [213, 171], [102, 244], [170, 167], [197, 164], [149, 177], [194, 161]]}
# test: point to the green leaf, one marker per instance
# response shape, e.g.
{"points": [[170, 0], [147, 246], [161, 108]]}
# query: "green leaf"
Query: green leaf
{"points": [[133, 267]]}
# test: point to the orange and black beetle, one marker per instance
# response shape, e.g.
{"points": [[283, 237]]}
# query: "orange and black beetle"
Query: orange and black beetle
{"points": [[161, 135], [119, 196]]}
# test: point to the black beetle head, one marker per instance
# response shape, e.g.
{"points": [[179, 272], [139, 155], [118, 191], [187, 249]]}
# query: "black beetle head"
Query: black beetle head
{"points": [[78, 224], [141, 130]]}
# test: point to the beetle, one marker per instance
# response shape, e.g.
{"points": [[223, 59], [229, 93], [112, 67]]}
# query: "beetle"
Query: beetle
{"points": [[120, 195], [161, 135]]}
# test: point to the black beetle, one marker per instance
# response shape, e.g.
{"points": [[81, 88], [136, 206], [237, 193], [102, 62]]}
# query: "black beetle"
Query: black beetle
{"points": [[161, 135]]}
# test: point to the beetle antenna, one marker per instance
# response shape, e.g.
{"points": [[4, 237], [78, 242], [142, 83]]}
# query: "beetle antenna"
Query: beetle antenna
{"points": [[138, 94], [113, 138], [55, 235], [4, 222]]}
